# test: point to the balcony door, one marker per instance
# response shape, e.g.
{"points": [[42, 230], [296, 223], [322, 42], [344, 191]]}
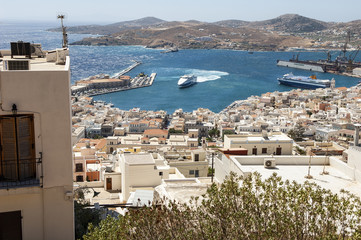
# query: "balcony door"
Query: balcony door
{"points": [[17, 147]]}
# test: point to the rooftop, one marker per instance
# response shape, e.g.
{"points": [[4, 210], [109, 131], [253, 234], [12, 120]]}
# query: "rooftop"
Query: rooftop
{"points": [[139, 159], [38, 64]]}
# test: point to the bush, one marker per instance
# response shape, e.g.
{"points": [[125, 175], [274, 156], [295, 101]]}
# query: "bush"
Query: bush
{"points": [[244, 208]]}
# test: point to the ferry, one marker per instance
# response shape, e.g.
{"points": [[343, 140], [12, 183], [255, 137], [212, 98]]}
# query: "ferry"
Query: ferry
{"points": [[305, 82], [187, 81]]}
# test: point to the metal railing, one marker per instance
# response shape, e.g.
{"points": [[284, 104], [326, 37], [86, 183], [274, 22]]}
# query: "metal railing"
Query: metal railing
{"points": [[21, 173]]}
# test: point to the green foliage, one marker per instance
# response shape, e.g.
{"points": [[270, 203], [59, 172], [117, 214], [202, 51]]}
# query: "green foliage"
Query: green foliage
{"points": [[226, 132], [300, 151], [297, 132], [83, 215], [210, 171], [213, 133], [172, 130], [244, 208]]}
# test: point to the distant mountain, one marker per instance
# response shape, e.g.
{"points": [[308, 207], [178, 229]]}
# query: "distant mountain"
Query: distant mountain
{"points": [[281, 33], [114, 27], [203, 36], [291, 23], [232, 23]]}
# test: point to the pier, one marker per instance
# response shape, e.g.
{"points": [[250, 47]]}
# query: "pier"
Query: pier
{"points": [[137, 82], [128, 69]]}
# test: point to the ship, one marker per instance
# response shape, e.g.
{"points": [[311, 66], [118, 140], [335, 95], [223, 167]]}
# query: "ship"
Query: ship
{"points": [[187, 81], [305, 82]]}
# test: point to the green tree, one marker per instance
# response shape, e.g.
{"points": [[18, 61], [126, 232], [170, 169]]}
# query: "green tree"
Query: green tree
{"points": [[244, 208], [172, 130], [297, 132], [83, 215], [214, 132]]}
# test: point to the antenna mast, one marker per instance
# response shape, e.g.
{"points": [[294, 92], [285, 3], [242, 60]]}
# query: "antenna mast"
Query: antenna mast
{"points": [[65, 36]]}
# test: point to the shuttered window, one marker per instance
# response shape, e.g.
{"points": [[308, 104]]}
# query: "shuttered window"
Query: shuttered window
{"points": [[17, 146]]}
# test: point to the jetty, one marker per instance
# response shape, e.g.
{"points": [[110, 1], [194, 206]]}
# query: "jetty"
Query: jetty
{"points": [[128, 69], [139, 81]]}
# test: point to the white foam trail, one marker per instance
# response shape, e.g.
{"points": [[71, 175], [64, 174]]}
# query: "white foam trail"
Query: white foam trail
{"points": [[204, 75]]}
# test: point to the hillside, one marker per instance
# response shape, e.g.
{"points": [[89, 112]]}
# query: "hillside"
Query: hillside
{"points": [[281, 33], [112, 28]]}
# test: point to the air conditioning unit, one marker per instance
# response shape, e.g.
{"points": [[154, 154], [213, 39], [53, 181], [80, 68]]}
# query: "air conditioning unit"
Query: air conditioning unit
{"points": [[270, 163], [16, 64], [36, 50]]}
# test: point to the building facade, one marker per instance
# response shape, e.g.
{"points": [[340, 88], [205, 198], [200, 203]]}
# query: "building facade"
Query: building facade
{"points": [[36, 187]]}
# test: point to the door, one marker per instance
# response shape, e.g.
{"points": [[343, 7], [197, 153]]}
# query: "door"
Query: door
{"points": [[196, 173], [10, 226], [278, 151], [109, 184]]}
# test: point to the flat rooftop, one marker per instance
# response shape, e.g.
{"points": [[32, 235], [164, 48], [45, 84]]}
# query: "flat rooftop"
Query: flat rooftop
{"points": [[139, 159], [335, 180], [37, 64]]}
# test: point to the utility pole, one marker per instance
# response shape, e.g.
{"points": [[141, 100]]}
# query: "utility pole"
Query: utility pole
{"points": [[212, 167]]}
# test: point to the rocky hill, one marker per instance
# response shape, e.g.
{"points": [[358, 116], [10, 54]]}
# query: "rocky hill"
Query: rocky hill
{"points": [[114, 27], [280, 33], [291, 23]]}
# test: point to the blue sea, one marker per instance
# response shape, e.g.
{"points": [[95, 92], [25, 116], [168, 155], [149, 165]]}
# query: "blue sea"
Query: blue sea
{"points": [[223, 75]]}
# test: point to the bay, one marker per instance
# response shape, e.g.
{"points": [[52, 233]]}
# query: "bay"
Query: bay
{"points": [[223, 75]]}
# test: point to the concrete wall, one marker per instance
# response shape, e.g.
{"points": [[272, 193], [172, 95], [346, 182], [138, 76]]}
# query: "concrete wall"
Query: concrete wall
{"points": [[138, 176], [116, 181], [185, 166], [237, 141], [353, 166], [46, 94]]}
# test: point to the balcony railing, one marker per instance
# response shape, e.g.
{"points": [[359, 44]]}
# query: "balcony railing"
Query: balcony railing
{"points": [[22, 173]]}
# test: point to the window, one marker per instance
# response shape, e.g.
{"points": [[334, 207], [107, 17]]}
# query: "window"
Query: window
{"points": [[78, 167], [254, 151], [17, 147], [196, 157], [196, 173], [79, 178], [264, 150], [191, 172], [160, 173]]}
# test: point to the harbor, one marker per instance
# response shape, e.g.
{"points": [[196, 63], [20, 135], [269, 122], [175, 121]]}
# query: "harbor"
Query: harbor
{"points": [[103, 84]]}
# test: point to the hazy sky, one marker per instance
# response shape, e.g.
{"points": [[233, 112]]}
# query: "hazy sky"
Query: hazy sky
{"points": [[110, 11]]}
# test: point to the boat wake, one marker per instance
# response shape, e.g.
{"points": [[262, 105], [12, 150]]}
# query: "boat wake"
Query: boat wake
{"points": [[205, 76]]}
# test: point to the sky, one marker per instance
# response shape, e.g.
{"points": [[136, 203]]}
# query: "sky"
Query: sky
{"points": [[111, 11]]}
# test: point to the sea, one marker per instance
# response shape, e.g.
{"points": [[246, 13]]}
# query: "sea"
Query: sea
{"points": [[223, 76]]}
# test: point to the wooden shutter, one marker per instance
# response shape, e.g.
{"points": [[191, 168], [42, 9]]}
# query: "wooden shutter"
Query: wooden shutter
{"points": [[8, 148], [17, 147], [26, 147]]}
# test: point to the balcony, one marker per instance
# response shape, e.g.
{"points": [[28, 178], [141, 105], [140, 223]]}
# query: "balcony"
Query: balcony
{"points": [[23, 173]]}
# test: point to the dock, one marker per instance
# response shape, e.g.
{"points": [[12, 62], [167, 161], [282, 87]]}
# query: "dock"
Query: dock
{"points": [[128, 69], [137, 82]]}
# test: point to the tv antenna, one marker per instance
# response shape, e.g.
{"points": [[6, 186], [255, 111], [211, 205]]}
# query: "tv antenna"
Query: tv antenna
{"points": [[65, 35]]}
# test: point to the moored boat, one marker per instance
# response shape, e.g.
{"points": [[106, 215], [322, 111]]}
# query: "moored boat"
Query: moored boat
{"points": [[305, 82]]}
